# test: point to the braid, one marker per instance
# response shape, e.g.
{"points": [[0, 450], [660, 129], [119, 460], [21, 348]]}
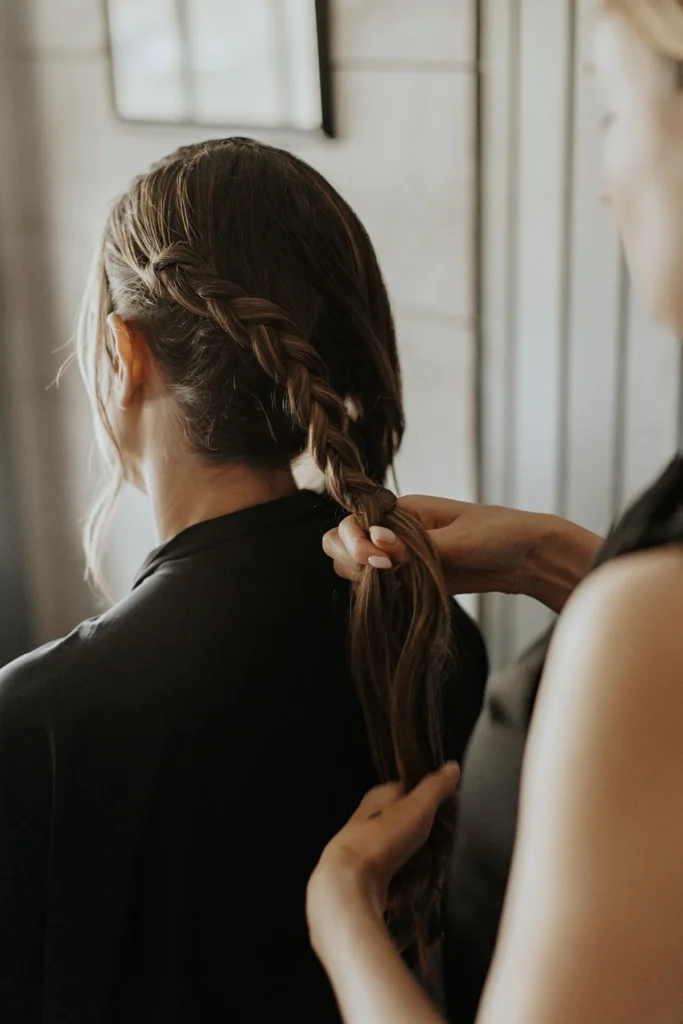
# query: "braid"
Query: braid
{"points": [[293, 364], [400, 625]]}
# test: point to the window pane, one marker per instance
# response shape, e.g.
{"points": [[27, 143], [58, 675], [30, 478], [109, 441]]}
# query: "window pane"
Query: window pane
{"points": [[234, 61], [147, 58], [220, 62]]}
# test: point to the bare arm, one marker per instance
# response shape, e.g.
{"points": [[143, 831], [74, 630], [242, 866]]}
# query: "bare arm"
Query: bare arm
{"points": [[371, 982], [593, 927], [559, 561], [347, 895]]}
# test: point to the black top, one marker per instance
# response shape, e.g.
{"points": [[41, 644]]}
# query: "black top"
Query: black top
{"points": [[491, 775], [169, 775]]}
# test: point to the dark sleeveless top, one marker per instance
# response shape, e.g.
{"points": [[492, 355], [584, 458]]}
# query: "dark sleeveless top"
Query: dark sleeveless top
{"points": [[492, 769]]}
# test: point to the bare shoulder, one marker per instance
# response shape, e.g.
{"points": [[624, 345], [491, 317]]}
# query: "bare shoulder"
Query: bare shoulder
{"points": [[634, 577], [612, 683], [619, 644], [635, 596]]}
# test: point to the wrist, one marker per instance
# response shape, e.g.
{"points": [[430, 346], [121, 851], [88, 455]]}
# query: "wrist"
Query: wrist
{"points": [[558, 560], [340, 906]]}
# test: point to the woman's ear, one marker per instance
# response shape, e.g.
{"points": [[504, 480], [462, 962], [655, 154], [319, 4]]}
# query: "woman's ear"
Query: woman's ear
{"points": [[131, 351]]}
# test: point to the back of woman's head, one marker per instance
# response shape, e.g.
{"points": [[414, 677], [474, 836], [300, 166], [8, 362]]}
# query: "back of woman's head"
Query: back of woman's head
{"points": [[259, 295]]}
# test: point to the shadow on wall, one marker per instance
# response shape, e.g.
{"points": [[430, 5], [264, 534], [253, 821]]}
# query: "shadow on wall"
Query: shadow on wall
{"points": [[15, 632], [40, 530]]}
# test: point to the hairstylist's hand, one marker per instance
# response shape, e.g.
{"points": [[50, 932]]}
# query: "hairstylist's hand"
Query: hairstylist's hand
{"points": [[357, 866], [483, 548]]}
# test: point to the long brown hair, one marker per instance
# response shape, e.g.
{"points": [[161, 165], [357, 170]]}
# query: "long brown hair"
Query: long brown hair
{"points": [[260, 296]]}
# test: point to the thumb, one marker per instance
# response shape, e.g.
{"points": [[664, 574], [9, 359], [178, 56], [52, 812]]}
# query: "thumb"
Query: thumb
{"points": [[419, 808], [437, 516], [433, 512], [431, 792]]}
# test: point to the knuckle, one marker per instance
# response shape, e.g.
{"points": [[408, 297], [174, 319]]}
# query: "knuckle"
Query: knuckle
{"points": [[350, 530], [330, 542]]}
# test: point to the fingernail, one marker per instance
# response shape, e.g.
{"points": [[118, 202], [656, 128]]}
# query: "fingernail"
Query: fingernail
{"points": [[451, 769], [379, 563], [380, 534]]}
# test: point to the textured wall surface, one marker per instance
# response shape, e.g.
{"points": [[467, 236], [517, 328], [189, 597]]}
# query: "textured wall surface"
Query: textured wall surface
{"points": [[582, 395], [404, 84]]}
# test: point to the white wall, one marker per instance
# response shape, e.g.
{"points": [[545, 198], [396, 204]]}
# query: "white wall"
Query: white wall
{"points": [[581, 392], [404, 84]]}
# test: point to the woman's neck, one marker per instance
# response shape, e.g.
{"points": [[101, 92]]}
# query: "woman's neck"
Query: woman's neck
{"points": [[190, 490]]}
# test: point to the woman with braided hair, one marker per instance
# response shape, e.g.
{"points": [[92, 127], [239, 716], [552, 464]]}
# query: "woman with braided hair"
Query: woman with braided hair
{"points": [[170, 770]]}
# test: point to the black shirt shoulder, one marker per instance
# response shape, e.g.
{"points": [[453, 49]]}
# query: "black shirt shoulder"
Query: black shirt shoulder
{"points": [[36, 680]]}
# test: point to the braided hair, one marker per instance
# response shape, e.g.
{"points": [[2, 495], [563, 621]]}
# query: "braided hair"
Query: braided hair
{"points": [[260, 296]]}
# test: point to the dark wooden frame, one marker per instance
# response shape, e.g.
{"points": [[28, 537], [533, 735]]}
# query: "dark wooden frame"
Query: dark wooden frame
{"points": [[328, 125]]}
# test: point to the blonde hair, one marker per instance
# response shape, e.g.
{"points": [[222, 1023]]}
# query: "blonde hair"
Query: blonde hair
{"points": [[95, 364], [658, 22]]}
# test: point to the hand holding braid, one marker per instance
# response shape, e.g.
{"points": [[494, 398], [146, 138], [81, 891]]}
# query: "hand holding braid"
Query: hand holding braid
{"points": [[400, 623]]}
